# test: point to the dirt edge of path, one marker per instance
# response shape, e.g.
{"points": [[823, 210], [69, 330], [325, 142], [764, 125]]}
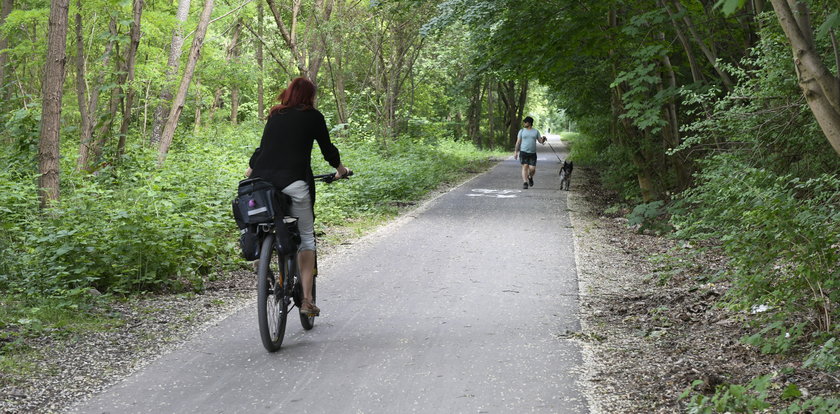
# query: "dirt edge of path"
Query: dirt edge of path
{"points": [[650, 324]]}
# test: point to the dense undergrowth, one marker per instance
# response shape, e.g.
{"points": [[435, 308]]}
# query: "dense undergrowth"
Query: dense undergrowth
{"points": [[136, 228], [765, 192], [778, 225]]}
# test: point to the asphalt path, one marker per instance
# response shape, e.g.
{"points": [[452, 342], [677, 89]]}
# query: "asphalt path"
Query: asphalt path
{"points": [[458, 307]]}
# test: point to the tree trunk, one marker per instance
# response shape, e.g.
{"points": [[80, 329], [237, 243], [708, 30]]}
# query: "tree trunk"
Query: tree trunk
{"points": [[229, 55], [474, 113], [197, 121], [171, 70], [334, 58], [180, 97], [391, 95], [508, 97], [491, 124], [234, 90], [234, 105], [146, 97], [106, 128], [290, 33], [81, 85], [818, 84], [710, 55], [86, 139], [520, 111], [316, 44], [339, 93], [131, 58], [52, 89], [217, 103], [671, 133], [7, 6], [696, 73], [260, 91]]}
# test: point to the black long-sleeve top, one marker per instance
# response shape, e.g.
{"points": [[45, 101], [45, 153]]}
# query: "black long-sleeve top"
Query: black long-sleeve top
{"points": [[285, 151]]}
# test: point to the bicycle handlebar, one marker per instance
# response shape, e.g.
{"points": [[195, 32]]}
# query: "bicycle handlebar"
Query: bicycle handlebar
{"points": [[328, 178]]}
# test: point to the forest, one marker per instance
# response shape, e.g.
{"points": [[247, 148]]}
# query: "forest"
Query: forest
{"points": [[126, 124]]}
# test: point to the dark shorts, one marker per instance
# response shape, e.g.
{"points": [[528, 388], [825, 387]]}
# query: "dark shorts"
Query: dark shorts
{"points": [[529, 158]]}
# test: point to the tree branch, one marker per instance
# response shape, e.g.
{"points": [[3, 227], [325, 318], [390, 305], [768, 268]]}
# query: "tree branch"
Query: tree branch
{"points": [[222, 16], [270, 51]]}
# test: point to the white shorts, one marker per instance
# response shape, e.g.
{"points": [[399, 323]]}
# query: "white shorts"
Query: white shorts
{"points": [[302, 209]]}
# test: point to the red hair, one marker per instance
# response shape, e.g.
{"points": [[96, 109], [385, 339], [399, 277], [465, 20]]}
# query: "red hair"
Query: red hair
{"points": [[299, 93]]}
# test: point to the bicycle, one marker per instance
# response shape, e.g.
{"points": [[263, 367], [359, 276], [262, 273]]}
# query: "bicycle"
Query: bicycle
{"points": [[279, 288]]}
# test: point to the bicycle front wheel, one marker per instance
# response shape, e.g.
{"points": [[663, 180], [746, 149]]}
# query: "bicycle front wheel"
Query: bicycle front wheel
{"points": [[272, 306]]}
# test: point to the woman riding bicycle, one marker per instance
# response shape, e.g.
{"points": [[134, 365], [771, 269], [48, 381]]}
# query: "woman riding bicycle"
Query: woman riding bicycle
{"points": [[284, 158]]}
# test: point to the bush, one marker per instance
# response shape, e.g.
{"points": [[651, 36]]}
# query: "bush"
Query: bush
{"points": [[137, 227], [782, 234]]}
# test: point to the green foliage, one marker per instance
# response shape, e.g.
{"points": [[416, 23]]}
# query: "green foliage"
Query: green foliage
{"points": [[753, 398], [613, 164], [826, 357], [729, 6], [730, 398], [775, 338], [136, 227], [405, 173], [650, 217], [815, 405], [781, 232], [21, 135], [126, 229]]}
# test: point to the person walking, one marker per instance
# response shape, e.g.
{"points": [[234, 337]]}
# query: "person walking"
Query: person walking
{"points": [[284, 158], [526, 150]]}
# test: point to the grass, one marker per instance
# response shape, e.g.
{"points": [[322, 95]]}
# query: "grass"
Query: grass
{"points": [[26, 319]]}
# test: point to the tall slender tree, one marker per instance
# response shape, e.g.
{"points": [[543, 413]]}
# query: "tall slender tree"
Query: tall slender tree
{"points": [[52, 90], [87, 146], [7, 6], [230, 54], [308, 54], [234, 90], [131, 58], [259, 52], [174, 60], [81, 83], [189, 69]]}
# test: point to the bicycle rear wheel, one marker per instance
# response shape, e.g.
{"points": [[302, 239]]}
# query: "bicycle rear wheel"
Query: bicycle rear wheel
{"points": [[272, 306]]}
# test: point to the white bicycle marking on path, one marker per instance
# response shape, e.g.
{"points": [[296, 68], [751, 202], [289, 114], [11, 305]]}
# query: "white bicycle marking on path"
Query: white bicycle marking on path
{"points": [[486, 192]]}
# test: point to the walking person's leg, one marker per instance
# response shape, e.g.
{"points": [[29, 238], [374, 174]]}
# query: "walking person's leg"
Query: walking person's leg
{"points": [[525, 170], [532, 169]]}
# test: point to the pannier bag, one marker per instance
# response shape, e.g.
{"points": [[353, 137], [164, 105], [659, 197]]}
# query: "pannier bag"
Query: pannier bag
{"points": [[249, 243], [257, 202]]}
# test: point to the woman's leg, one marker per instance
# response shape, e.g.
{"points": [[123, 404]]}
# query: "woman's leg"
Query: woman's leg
{"points": [[306, 261], [302, 209]]}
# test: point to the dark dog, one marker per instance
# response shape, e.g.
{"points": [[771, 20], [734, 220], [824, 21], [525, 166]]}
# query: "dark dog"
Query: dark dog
{"points": [[566, 175]]}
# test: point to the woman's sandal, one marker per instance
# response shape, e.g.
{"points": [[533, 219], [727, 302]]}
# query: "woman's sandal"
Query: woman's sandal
{"points": [[308, 308]]}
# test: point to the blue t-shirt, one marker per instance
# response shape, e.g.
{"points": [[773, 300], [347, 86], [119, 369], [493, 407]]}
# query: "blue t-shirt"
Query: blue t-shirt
{"points": [[529, 139]]}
